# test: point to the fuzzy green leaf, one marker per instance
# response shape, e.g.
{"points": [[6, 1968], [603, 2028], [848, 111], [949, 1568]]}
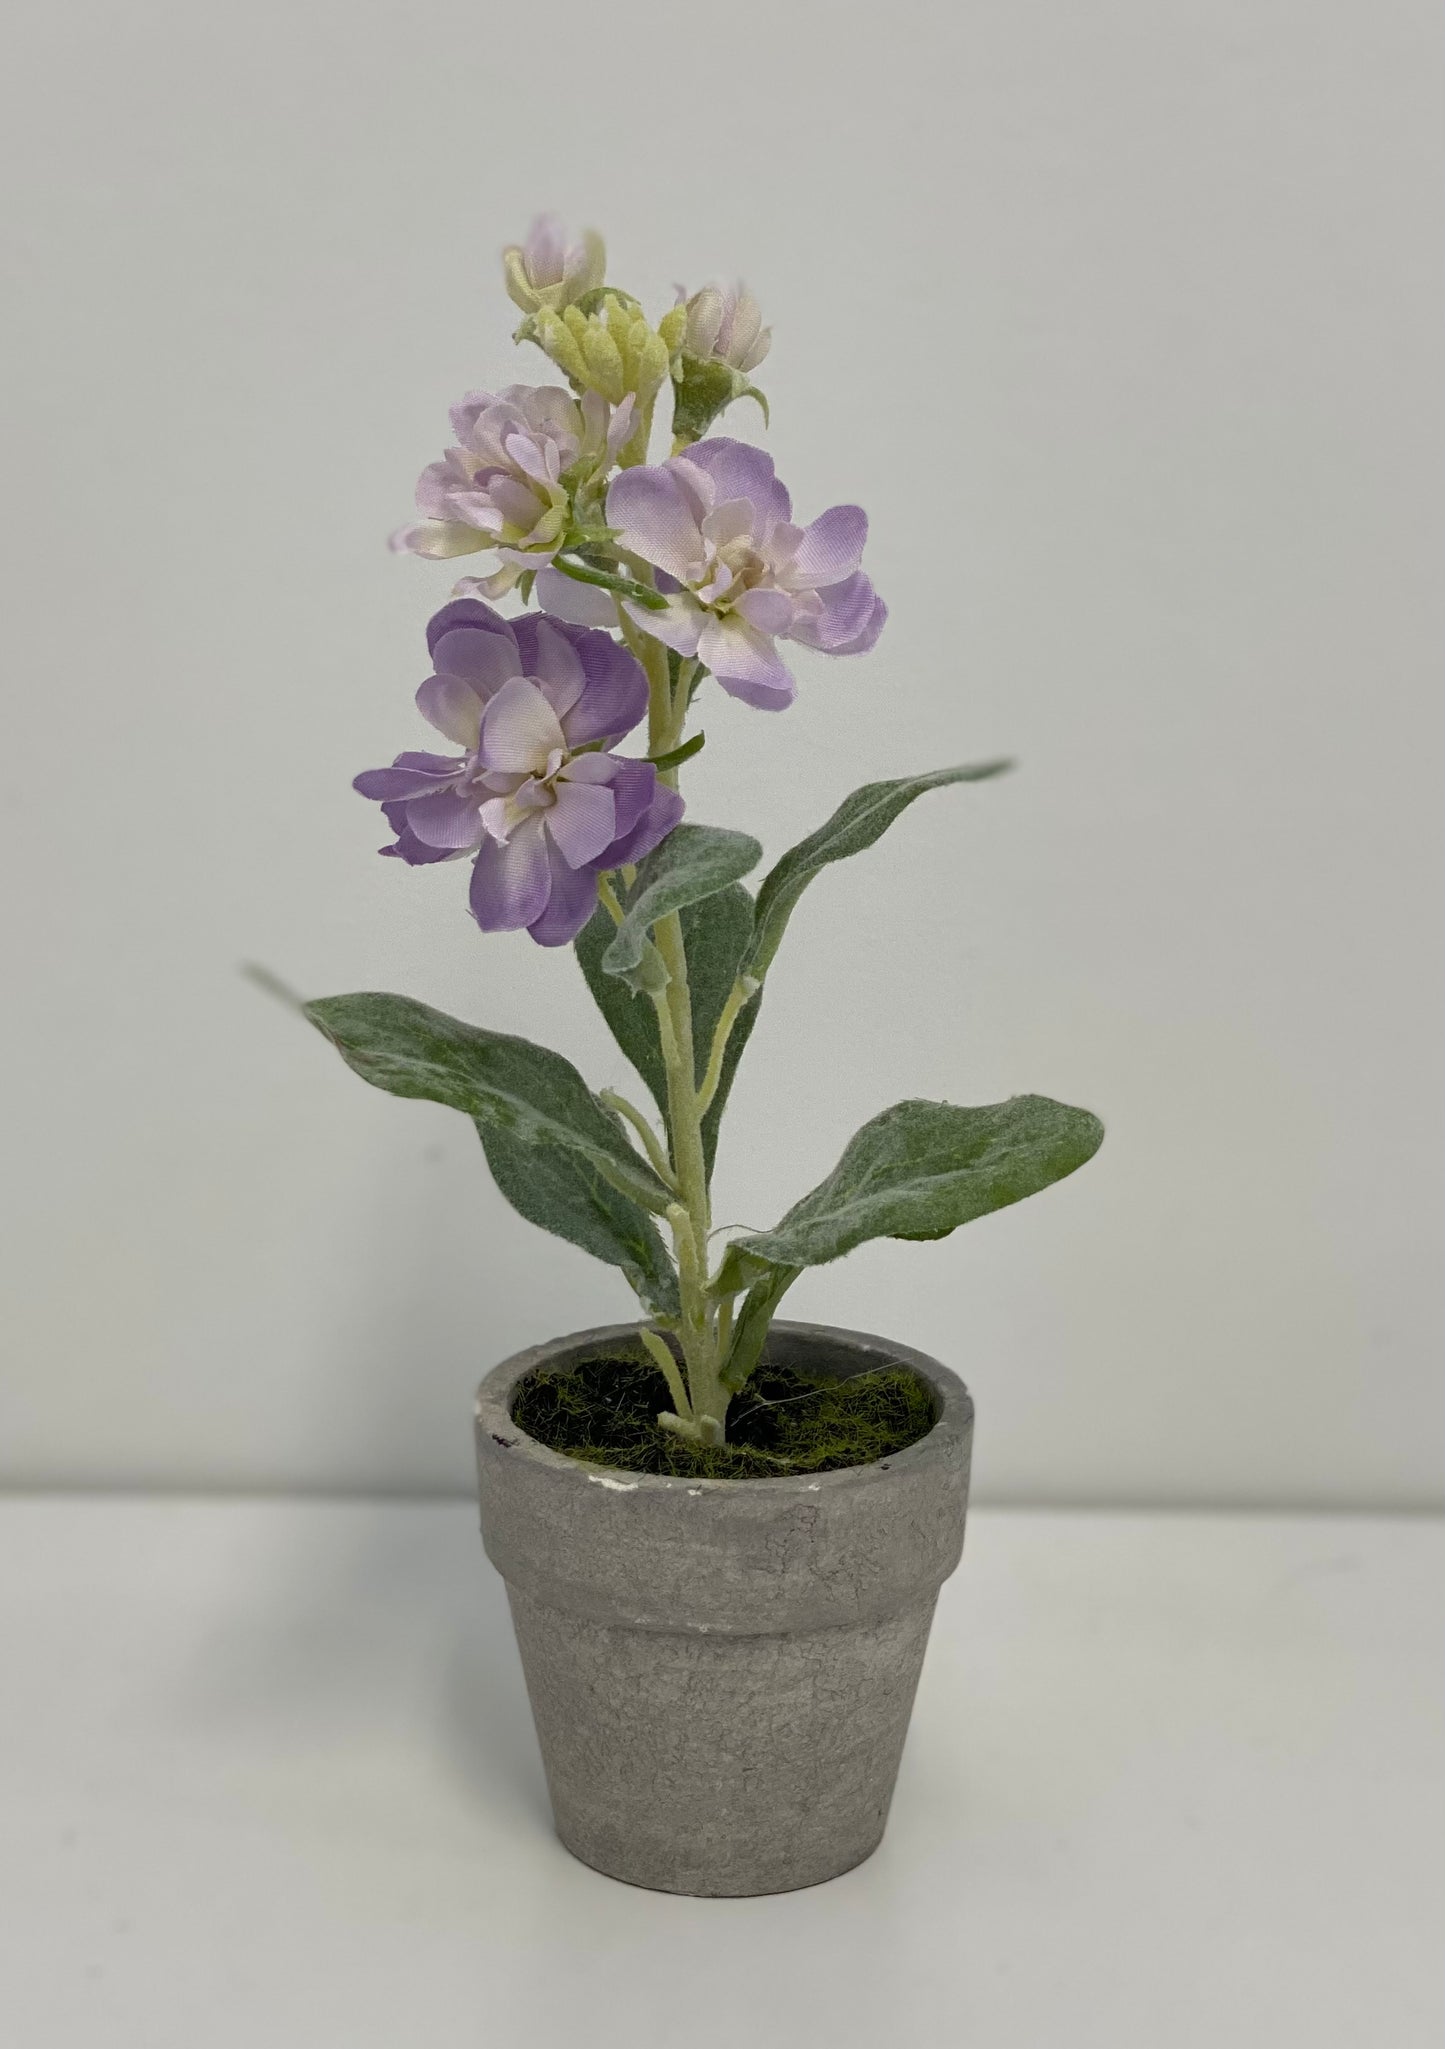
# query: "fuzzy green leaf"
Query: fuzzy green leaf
{"points": [[715, 933], [693, 862], [857, 823], [920, 1170], [508, 1084], [563, 1194]]}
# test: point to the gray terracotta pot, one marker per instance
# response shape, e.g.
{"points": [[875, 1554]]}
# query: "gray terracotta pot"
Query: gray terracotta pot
{"points": [[722, 1671]]}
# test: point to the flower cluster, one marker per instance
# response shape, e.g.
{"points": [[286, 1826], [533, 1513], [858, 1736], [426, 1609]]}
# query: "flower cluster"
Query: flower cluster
{"points": [[536, 795], [695, 561], [524, 458], [719, 525]]}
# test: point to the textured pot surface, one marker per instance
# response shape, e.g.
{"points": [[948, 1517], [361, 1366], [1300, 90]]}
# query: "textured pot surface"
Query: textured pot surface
{"points": [[722, 1671]]}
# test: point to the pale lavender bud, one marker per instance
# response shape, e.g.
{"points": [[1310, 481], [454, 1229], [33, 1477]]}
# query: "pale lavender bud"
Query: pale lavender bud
{"points": [[543, 272], [728, 325]]}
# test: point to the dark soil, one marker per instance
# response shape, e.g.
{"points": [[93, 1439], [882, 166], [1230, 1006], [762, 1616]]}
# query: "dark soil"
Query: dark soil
{"points": [[784, 1421]]}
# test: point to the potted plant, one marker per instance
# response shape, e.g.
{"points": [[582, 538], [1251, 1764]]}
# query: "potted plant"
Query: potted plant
{"points": [[722, 1534]]}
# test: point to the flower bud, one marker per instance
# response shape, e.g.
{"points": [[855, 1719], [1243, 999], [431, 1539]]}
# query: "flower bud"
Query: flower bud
{"points": [[728, 325], [719, 338], [673, 327], [552, 334], [543, 274], [611, 350]]}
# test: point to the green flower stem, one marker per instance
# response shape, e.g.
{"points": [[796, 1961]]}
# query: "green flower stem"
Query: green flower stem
{"points": [[607, 897], [691, 1216], [686, 671], [636, 449], [742, 992], [653, 657], [656, 1156], [602, 579], [662, 1355]]}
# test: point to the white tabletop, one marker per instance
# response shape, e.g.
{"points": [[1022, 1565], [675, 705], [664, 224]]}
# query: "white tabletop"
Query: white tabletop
{"points": [[269, 1782]]}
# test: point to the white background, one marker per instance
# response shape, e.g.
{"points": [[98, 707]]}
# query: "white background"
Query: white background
{"points": [[1122, 320]]}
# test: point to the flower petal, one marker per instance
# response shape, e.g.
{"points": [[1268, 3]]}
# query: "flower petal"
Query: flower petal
{"points": [[519, 729], [615, 695], [453, 707], [746, 664], [512, 881], [464, 612], [482, 661], [468, 410], [582, 821], [619, 427], [738, 470], [438, 540], [770, 611], [407, 847], [634, 783], [580, 604], [677, 626], [832, 547], [410, 775], [494, 586], [517, 502], [448, 819], [545, 249], [592, 768], [657, 519], [848, 619], [729, 521], [571, 903], [868, 632], [662, 814], [550, 658]]}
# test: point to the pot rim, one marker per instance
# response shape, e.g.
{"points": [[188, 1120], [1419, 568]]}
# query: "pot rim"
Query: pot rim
{"points": [[492, 1410]]}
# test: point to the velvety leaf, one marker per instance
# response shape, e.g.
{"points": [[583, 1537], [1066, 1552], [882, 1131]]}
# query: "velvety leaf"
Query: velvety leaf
{"points": [[754, 1320], [503, 1082], [857, 823], [715, 934], [920, 1170], [693, 862], [563, 1194]]}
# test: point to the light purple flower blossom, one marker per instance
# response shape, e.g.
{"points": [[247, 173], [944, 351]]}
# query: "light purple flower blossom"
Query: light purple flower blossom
{"points": [[537, 796], [509, 484], [741, 576]]}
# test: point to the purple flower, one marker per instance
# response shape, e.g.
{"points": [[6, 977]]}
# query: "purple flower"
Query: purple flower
{"points": [[537, 796], [522, 456], [718, 524]]}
